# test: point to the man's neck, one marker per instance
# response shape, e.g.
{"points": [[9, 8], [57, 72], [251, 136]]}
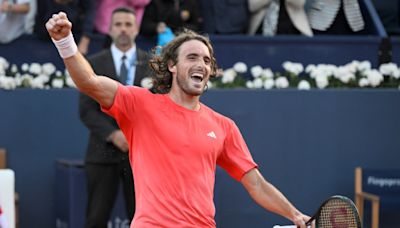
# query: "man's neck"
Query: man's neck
{"points": [[184, 100], [125, 48]]}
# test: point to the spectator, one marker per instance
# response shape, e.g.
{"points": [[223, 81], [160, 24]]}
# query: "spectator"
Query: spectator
{"points": [[104, 10], [330, 17], [30, 17], [274, 17], [81, 13], [107, 160], [12, 19], [160, 15]]}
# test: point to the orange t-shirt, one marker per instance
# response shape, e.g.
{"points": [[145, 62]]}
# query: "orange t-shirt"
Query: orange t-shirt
{"points": [[173, 152]]}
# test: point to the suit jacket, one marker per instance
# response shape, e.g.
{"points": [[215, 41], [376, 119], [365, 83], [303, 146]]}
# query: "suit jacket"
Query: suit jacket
{"points": [[101, 125], [294, 8]]}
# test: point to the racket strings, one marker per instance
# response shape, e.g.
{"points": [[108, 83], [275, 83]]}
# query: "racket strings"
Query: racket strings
{"points": [[337, 213]]}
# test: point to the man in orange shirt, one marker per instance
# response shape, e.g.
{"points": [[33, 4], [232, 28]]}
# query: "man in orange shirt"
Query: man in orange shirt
{"points": [[178, 140]]}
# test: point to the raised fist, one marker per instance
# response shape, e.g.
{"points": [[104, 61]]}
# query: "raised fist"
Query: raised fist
{"points": [[59, 26]]}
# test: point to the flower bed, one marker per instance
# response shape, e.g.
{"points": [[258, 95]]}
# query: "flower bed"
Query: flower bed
{"points": [[356, 74]]}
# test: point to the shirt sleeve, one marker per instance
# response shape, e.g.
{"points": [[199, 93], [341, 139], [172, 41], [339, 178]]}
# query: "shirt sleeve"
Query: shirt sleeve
{"points": [[123, 107], [235, 157]]}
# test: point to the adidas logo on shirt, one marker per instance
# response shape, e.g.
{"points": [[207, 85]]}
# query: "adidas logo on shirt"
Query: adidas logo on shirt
{"points": [[212, 134]]}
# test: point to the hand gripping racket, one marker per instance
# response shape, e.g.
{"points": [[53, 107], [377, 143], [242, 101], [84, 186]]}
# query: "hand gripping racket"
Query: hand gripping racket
{"points": [[336, 212]]}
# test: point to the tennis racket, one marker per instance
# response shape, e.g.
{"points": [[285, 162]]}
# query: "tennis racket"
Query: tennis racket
{"points": [[336, 212]]}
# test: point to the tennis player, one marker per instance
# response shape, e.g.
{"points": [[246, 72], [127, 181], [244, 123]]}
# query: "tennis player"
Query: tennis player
{"points": [[178, 140]]}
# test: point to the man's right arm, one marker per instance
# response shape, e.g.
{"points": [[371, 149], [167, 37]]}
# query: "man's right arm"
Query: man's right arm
{"points": [[102, 89]]}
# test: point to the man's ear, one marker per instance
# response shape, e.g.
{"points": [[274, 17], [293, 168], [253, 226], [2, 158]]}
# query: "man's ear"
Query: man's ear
{"points": [[171, 67]]}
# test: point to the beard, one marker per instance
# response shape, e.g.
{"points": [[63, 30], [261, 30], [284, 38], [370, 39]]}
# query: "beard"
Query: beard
{"points": [[123, 40], [184, 83]]}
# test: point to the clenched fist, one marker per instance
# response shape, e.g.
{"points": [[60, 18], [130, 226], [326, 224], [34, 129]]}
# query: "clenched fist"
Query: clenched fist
{"points": [[59, 26]]}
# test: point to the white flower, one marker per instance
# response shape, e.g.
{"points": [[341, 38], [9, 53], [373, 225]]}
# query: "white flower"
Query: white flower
{"points": [[304, 85], [295, 68], [44, 77], [240, 67], [7, 83], [40, 81], [14, 69], [3, 66], [314, 73], [344, 74], [210, 85], [281, 83], [321, 81], [59, 74], [267, 73], [325, 70], [147, 83], [258, 83], [57, 83], [35, 68], [37, 83], [269, 83], [25, 67], [228, 76], [69, 82], [390, 69], [4, 63], [374, 78], [363, 82], [353, 66], [48, 68], [256, 71], [364, 66], [66, 72], [310, 68], [249, 85], [328, 69]]}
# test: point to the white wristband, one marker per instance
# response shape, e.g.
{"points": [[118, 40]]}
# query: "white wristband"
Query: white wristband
{"points": [[66, 46]]}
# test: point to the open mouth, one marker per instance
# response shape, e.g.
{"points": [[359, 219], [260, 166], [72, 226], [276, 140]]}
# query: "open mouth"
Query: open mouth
{"points": [[197, 77]]}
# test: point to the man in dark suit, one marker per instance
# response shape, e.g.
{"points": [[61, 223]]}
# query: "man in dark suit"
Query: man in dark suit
{"points": [[107, 160]]}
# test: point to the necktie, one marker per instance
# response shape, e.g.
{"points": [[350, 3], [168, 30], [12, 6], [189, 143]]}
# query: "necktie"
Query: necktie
{"points": [[123, 73]]}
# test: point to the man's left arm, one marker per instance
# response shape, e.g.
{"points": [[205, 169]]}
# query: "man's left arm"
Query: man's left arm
{"points": [[270, 198]]}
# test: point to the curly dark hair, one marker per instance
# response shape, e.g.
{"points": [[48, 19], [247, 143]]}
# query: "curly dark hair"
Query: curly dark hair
{"points": [[162, 77]]}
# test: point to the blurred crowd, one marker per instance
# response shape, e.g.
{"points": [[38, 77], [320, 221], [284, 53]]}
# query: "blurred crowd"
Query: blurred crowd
{"points": [[161, 19]]}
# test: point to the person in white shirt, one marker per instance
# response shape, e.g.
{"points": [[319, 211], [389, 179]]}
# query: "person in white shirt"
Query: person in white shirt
{"points": [[12, 19]]}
